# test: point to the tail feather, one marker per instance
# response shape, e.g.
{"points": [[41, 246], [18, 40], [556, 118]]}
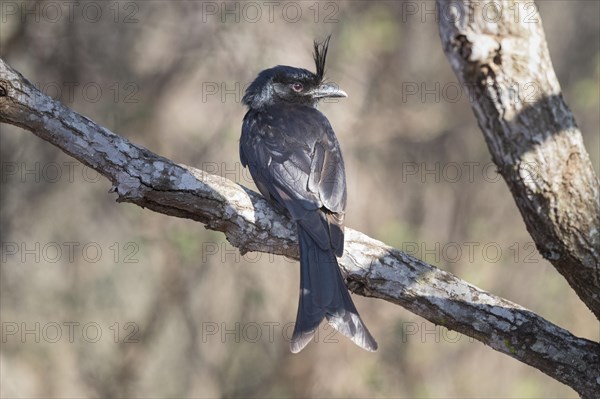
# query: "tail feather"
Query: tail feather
{"points": [[323, 294]]}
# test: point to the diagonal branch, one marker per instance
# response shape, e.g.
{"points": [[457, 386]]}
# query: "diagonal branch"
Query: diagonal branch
{"points": [[251, 224], [499, 53]]}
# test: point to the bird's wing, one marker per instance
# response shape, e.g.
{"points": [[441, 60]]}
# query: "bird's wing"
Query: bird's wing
{"points": [[328, 179], [294, 156]]}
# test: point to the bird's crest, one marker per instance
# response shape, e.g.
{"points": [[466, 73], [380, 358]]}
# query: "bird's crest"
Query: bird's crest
{"points": [[320, 56]]}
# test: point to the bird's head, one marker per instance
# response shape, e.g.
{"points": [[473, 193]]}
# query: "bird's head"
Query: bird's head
{"points": [[285, 84]]}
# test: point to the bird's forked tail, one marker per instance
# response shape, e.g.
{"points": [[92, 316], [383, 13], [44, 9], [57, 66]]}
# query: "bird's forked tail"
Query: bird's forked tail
{"points": [[323, 294]]}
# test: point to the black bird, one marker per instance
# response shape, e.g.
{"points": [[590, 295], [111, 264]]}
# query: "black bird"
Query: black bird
{"points": [[296, 163]]}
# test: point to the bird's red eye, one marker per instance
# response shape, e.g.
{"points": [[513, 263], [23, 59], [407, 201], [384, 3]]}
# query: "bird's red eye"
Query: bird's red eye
{"points": [[297, 87]]}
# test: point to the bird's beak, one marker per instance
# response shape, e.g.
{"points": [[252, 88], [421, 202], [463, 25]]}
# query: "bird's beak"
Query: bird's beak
{"points": [[328, 90]]}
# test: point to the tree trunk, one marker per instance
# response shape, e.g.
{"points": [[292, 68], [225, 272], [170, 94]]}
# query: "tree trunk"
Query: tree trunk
{"points": [[499, 53]]}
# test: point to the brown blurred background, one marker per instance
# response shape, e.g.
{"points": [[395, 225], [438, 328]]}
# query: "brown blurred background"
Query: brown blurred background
{"points": [[100, 299]]}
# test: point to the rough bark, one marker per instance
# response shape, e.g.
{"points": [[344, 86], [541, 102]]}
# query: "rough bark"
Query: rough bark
{"points": [[499, 53], [251, 224]]}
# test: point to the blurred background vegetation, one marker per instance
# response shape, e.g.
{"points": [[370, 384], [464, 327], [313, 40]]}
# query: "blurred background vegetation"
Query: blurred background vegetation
{"points": [[100, 299]]}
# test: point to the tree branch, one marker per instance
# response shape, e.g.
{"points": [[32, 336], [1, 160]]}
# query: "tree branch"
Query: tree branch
{"points": [[501, 58], [251, 224]]}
